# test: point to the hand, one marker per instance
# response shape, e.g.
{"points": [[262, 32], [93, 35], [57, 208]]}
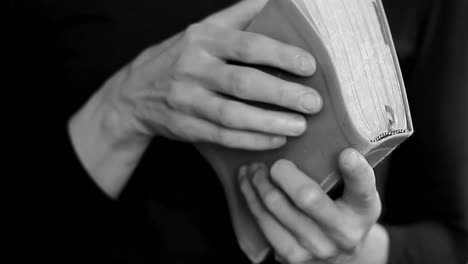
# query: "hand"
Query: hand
{"points": [[179, 91], [302, 224]]}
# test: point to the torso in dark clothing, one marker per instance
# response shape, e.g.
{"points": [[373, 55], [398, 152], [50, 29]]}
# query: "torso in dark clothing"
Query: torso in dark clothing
{"points": [[174, 210]]}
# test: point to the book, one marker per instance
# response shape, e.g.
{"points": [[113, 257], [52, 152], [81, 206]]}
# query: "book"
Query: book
{"points": [[364, 99]]}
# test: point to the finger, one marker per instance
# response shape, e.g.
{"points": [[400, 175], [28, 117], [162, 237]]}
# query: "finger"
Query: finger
{"points": [[237, 115], [308, 234], [279, 238], [310, 198], [305, 193], [252, 48], [360, 190], [238, 15], [255, 85], [233, 114], [194, 129]]}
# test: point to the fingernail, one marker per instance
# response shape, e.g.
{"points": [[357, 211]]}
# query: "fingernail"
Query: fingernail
{"points": [[296, 125], [257, 177], [253, 168], [306, 63], [351, 159], [259, 173], [278, 141], [242, 172], [311, 102]]}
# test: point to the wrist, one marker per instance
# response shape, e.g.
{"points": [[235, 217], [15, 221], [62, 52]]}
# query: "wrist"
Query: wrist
{"points": [[105, 143]]}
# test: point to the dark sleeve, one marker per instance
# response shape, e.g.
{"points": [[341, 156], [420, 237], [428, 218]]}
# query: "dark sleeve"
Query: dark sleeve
{"points": [[429, 242], [426, 196]]}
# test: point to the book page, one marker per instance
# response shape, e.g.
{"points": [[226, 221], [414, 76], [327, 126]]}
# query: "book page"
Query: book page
{"points": [[352, 32]]}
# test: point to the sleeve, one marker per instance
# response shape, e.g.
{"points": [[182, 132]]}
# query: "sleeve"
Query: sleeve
{"points": [[429, 242], [426, 198]]}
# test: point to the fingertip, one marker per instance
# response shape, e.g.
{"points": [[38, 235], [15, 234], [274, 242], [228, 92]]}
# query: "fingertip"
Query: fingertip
{"points": [[265, 142], [262, 167], [306, 64], [350, 159], [297, 125], [258, 175], [280, 165], [255, 168], [312, 102], [242, 172], [278, 141], [252, 168], [357, 172]]}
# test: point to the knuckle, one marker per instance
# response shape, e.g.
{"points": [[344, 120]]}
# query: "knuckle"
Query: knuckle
{"points": [[306, 242], [145, 116], [273, 200], [227, 139], [320, 250], [188, 63], [218, 136], [240, 83], [296, 255], [350, 239], [175, 98], [326, 252], [367, 196], [254, 205], [226, 115], [144, 57], [308, 197], [246, 46], [175, 127], [280, 95], [194, 32], [287, 56], [182, 66]]}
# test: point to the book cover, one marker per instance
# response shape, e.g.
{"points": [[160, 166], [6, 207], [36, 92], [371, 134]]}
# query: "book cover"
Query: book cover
{"points": [[328, 132]]}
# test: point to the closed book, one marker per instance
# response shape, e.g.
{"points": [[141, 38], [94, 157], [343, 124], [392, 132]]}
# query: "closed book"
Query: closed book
{"points": [[364, 99]]}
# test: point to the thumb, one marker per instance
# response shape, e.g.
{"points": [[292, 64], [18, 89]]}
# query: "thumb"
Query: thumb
{"points": [[360, 190], [237, 16]]}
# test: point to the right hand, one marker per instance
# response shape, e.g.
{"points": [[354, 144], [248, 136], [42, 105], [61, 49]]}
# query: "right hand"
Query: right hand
{"points": [[177, 89]]}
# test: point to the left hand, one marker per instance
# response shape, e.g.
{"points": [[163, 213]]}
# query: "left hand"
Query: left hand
{"points": [[301, 222]]}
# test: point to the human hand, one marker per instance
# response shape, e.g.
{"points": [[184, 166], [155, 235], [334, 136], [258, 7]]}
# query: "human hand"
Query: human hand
{"points": [[302, 224], [177, 89]]}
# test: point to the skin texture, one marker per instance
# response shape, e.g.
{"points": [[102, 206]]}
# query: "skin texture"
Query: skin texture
{"points": [[177, 93], [303, 225], [178, 89]]}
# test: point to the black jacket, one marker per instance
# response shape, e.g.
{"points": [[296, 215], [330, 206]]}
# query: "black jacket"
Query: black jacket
{"points": [[65, 50]]}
